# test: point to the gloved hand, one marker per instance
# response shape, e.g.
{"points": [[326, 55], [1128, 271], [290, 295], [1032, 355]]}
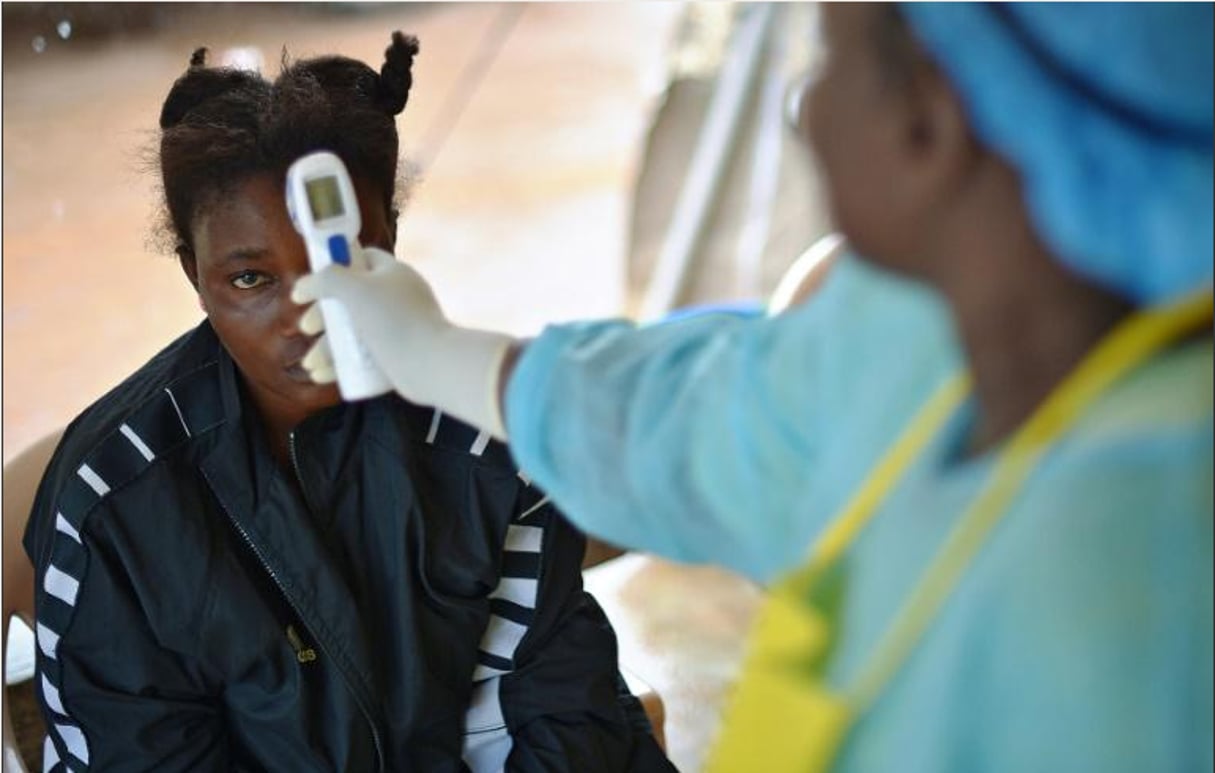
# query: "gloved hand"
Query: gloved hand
{"points": [[395, 314]]}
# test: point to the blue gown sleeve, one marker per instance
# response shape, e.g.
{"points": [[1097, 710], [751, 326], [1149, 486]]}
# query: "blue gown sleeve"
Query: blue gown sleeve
{"points": [[723, 438]]}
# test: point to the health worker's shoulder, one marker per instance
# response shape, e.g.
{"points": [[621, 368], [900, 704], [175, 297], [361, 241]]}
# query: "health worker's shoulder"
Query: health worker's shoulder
{"points": [[1143, 451], [1168, 397], [1121, 508]]}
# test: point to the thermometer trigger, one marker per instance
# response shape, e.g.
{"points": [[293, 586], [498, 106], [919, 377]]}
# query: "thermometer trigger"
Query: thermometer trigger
{"points": [[339, 250]]}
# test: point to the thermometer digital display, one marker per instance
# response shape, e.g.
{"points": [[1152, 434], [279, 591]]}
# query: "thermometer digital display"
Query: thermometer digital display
{"points": [[324, 198]]}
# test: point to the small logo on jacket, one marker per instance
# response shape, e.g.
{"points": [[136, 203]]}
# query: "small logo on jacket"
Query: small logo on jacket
{"points": [[302, 654]]}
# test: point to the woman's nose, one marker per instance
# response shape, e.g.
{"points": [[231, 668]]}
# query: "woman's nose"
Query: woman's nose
{"points": [[289, 312]]}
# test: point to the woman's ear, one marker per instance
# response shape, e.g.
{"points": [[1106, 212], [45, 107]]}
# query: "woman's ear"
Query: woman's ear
{"points": [[185, 257]]}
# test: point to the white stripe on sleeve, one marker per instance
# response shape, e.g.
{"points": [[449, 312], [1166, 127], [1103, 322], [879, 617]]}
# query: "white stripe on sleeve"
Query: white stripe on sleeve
{"points": [[524, 538], [479, 443], [61, 585], [93, 479], [48, 640], [502, 637], [433, 431], [74, 739], [61, 524], [533, 509], [519, 590], [52, 696], [484, 708], [50, 756], [177, 408], [137, 441], [483, 671], [487, 752]]}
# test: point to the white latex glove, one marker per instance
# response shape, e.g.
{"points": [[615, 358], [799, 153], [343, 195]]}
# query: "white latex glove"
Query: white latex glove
{"points": [[396, 316]]}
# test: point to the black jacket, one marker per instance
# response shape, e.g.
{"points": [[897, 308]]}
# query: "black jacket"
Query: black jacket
{"points": [[407, 603]]}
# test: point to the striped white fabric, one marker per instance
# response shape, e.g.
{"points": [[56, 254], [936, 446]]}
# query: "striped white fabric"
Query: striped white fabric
{"points": [[517, 590], [534, 508], [479, 443], [61, 524], [486, 752], [484, 709], [487, 742], [433, 432], [73, 739], [50, 755], [51, 696], [177, 408], [137, 441], [483, 671], [524, 538], [61, 585], [48, 640], [93, 479], [502, 637]]}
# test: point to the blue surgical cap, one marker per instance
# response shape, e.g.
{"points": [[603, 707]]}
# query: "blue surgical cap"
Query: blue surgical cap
{"points": [[1105, 111]]}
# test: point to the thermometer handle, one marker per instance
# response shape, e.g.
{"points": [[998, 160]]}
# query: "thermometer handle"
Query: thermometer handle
{"points": [[358, 376]]}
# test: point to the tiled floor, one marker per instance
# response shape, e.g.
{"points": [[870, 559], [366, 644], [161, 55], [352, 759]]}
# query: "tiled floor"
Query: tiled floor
{"points": [[520, 219]]}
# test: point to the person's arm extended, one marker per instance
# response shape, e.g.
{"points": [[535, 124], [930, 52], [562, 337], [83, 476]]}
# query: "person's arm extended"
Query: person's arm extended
{"points": [[682, 439]]}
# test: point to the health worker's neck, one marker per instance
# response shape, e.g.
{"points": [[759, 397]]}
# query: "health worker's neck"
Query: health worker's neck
{"points": [[1025, 322]]}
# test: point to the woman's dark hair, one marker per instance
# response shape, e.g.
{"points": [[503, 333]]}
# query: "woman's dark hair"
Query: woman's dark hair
{"points": [[221, 126]]}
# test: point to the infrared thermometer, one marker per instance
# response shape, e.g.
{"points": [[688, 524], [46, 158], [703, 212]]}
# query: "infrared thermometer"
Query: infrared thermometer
{"points": [[325, 211]]}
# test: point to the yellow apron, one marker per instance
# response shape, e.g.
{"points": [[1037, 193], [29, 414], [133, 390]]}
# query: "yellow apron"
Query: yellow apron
{"points": [[781, 716]]}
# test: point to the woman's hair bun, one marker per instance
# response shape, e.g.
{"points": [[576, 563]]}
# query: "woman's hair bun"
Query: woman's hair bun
{"points": [[396, 76], [197, 85]]}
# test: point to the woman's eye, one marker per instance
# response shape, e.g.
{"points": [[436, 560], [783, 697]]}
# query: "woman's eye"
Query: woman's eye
{"points": [[247, 280]]}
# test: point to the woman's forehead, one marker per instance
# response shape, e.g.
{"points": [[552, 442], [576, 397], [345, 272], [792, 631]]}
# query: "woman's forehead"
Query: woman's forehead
{"points": [[242, 199], [255, 208]]}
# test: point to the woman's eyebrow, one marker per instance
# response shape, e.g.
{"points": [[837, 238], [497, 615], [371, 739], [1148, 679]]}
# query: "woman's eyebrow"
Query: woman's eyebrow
{"points": [[242, 254]]}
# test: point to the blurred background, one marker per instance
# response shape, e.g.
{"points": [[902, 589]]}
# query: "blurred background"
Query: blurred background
{"points": [[572, 160]]}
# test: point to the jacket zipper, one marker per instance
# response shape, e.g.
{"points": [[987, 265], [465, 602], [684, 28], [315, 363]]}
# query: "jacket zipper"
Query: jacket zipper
{"points": [[375, 735]]}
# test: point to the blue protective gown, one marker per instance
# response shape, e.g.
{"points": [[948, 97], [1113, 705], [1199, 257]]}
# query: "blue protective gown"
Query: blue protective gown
{"points": [[1081, 638]]}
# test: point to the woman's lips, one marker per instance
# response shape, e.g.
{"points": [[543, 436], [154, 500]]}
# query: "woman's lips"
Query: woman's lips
{"points": [[298, 373], [295, 370]]}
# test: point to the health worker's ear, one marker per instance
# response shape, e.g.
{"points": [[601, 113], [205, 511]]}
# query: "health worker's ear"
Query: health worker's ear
{"points": [[938, 146]]}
